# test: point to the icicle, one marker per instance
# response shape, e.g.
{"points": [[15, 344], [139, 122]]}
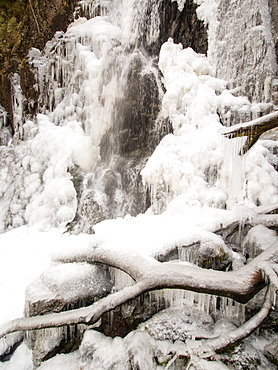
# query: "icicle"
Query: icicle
{"points": [[234, 168], [120, 279]]}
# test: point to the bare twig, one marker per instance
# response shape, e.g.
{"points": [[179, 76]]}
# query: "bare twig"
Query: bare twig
{"points": [[32, 9]]}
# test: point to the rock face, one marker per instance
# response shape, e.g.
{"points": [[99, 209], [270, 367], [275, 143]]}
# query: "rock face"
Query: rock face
{"points": [[25, 24], [183, 26], [245, 50]]}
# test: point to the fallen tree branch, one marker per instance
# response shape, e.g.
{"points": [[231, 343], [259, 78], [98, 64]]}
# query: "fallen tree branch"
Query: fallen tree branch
{"points": [[84, 315], [227, 339], [240, 285], [207, 348], [252, 130], [149, 275], [270, 274]]}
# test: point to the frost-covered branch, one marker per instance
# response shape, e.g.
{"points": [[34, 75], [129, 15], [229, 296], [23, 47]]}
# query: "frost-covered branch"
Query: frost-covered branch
{"points": [[227, 339], [241, 285], [207, 348], [252, 130], [149, 275], [87, 315]]}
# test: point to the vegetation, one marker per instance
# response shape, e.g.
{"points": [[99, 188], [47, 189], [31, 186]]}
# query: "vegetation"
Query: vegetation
{"points": [[25, 24]]}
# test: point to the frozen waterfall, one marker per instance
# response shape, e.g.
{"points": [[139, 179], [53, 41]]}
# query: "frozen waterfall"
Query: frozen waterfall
{"points": [[125, 152]]}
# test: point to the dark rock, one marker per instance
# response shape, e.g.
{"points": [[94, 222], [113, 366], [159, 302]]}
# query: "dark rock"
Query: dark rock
{"points": [[183, 26], [213, 255], [245, 356], [33, 23]]}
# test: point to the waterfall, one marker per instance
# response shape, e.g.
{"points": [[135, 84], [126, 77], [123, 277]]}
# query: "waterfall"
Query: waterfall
{"points": [[125, 150]]}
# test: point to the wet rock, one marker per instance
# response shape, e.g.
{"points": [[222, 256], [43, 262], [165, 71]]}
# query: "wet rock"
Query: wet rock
{"points": [[182, 25], [245, 357], [213, 254]]}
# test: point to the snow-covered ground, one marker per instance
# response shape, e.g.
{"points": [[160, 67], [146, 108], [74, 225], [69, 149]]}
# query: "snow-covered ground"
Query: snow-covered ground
{"points": [[196, 178]]}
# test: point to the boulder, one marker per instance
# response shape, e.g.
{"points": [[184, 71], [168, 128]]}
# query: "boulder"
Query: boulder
{"points": [[257, 240], [179, 323], [60, 288]]}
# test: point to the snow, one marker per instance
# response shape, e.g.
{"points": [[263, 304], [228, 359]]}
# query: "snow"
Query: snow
{"points": [[61, 362], [189, 322], [21, 360], [196, 178], [180, 4], [28, 252]]}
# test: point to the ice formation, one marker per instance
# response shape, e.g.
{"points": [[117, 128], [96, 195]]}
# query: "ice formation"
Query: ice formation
{"points": [[196, 178]]}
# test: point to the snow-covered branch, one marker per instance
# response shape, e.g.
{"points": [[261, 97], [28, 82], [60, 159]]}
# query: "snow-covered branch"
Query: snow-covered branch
{"points": [[149, 275], [207, 348], [87, 315], [252, 130]]}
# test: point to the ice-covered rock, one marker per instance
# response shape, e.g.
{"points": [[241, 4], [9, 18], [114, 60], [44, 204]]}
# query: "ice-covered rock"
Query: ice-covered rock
{"points": [[213, 254], [66, 284], [100, 352], [140, 347], [60, 288], [245, 356], [61, 362], [258, 239], [179, 323]]}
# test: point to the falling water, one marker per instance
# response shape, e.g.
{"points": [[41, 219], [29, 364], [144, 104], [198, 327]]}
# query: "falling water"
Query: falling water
{"points": [[118, 104]]}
